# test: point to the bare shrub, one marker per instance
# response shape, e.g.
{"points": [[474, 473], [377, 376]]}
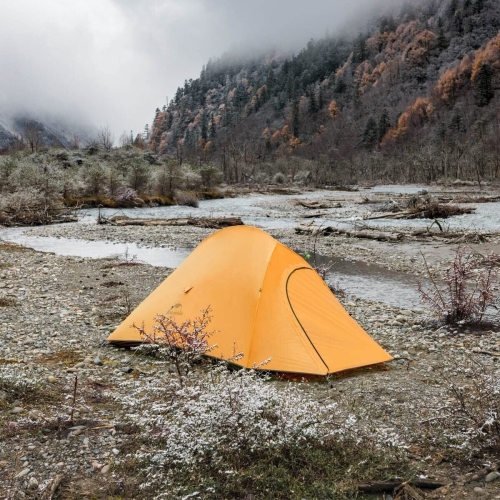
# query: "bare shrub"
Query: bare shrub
{"points": [[182, 343], [279, 178], [469, 421], [126, 196], [187, 199], [31, 207], [463, 292]]}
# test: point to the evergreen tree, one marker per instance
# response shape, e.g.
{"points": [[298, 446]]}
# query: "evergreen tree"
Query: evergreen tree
{"points": [[452, 8], [384, 124], [478, 6], [313, 104], [213, 128], [483, 85], [340, 86], [360, 52], [295, 118], [370, 134], [442, 42], [455, 123], [204, 126]]}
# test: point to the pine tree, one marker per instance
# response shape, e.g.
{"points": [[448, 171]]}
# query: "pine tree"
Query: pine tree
{"points": [[452, 8], [455, 123], [213, 128], [370, 134], [204, 126], [295, 118], [483, 86], [384, 124], [340, 86], [313, 104], [442, 42], [478, 6]]}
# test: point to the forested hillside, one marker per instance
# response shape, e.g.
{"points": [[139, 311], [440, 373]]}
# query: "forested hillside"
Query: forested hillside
{"points": [[413, 97]]}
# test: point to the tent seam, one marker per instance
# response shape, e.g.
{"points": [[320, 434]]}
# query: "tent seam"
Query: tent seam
{"points": [[296, 317], [258, 303]]}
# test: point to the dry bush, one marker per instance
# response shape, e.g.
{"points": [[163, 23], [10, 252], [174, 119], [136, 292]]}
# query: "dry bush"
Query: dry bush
{"points": [[463, 293], [469, 419], [187, 199], [430, 208], [181, 343], [31, 207]]}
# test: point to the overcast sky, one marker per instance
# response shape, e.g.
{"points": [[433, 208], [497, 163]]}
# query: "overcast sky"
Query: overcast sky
{"points": [[113, 62]]}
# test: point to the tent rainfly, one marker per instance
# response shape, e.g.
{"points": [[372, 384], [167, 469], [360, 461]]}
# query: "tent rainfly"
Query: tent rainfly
{"points": [[266, 302]]}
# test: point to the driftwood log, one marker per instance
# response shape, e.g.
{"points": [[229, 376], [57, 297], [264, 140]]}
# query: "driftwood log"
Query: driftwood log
{"points": [[380, 487], [370, 235], [318, 205], [209, 223]]}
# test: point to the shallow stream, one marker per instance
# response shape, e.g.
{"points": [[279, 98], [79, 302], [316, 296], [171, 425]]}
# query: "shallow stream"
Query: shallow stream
{"points": [[356, 278]]}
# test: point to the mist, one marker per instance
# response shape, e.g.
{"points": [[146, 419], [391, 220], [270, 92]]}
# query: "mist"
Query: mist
{"points": [[113, 62]]}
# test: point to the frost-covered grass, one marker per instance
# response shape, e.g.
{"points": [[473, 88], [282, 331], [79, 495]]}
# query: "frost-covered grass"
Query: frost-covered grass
{"points": [[226, 433], [469, 420], [18, 382]]}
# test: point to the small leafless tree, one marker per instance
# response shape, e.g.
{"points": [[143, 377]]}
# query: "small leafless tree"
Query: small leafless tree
{"points": [[32, 135], [106, 138]]}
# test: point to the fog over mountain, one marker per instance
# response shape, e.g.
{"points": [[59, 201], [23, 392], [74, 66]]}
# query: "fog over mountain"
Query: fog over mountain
{"points": [[111, 62]]}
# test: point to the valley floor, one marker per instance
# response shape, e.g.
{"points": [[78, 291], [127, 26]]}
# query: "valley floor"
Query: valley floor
{"points": [[57, 311]]}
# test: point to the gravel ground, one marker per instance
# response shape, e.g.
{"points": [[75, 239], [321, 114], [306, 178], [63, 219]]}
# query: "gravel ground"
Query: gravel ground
{"points": [[57, 311]]}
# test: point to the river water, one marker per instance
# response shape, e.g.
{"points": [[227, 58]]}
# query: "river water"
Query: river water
{"points": [[360, 279]]}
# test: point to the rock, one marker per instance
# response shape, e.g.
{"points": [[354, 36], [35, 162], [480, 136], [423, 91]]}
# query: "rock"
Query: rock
{"points": [[115, 451], [17, 409], [105, 469], [3, 395], [33, 483], [480, 491], [492, 476], [126, 369], [23, 473], [97, 361], [51, 379]]}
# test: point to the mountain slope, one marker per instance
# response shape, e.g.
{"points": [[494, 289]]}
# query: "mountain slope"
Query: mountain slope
{"points": [[414, 97]]}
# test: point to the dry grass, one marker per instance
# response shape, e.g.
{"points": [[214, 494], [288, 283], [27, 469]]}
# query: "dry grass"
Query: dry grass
{"points": [[7, 302]]}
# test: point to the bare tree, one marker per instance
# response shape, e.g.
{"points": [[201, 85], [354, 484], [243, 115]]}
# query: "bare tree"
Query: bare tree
{"points": [[106, 138], [32, 135], [126, 139]]}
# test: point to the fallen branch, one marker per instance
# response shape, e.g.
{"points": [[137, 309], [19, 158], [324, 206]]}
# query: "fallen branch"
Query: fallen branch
{"points": [[380, 487], [209, 223], [378, 236], [47, 494]]}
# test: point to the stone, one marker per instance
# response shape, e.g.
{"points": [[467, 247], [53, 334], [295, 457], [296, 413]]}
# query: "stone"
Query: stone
{"points": [[23, 473], [115, 451], [33, 483], [480, 491], [3, 395], [97, 361], [51, 379], [17, 410], [105, 469], [492, 476], [126, 369]]}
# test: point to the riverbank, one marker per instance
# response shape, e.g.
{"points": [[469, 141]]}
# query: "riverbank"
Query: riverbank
{"points": [[58, 310]]}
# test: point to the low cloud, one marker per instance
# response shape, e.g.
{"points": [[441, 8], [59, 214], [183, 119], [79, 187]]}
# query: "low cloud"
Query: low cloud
{"points": [[112, 62]]}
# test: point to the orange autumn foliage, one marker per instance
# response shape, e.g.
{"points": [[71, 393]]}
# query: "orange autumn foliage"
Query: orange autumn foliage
{"points": [[277, 136], [489, 55], [333, 109], [416, 115], [453, 80]]}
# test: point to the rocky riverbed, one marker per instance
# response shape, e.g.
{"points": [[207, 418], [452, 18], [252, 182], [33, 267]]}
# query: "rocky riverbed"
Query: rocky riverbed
{"points": [[61, 421]]}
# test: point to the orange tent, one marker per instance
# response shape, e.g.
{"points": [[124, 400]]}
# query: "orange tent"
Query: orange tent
{"points": [[266, 301]]}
